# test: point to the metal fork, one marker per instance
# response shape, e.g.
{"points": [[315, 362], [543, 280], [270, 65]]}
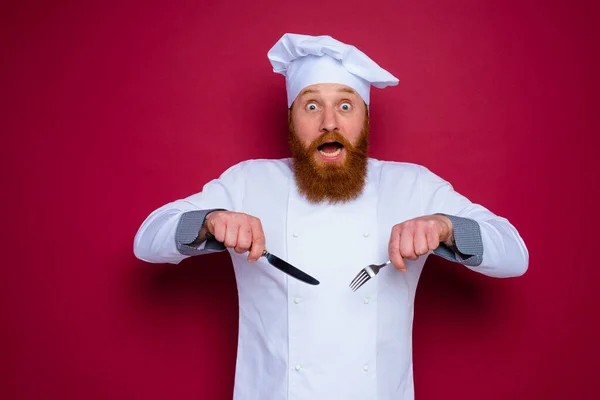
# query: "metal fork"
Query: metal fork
{"points": [[365, 274]]}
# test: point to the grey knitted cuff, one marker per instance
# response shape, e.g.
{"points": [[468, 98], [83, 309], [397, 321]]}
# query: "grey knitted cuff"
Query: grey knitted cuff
{"points": [[468, 248], [188, 227]]}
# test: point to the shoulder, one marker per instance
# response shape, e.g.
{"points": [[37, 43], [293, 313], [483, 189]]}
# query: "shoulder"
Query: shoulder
{"points": [[396, 169], [403, 172], [259, 168]]}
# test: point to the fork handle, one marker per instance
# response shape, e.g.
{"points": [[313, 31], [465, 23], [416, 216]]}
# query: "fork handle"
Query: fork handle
{"points": [[376, 268]]}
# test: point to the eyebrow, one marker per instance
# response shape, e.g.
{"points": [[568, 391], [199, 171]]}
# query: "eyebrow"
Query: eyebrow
{"points": [[347, 90], [341, 90]]}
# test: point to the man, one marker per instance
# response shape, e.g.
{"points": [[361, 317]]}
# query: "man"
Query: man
{"points": [[329, 211]]}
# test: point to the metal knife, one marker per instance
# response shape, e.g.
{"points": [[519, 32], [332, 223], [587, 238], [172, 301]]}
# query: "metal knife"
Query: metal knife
{"points": [[289, 269], [280, 265]]}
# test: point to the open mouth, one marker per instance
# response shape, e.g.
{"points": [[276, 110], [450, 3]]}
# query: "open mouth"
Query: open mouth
{"points": [[330, 149]]}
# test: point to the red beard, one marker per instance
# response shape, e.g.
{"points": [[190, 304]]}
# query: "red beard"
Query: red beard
{"points": [[335, 183]]}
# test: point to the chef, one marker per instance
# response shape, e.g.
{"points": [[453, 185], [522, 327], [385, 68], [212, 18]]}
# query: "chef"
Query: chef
{"points": [[329, 210]]}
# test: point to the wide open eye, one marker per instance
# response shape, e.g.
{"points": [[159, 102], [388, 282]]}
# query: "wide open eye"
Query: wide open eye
{"points": [[346, 106], [311, 107]]}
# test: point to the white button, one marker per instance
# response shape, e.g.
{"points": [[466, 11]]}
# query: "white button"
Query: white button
{"points": [[298, 367], [365, 367], [366, 300], [366, 234], [295, 234], [297, 300]]}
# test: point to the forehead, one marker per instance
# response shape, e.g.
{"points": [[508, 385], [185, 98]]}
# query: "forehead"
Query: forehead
{"points": [[327, 89]]}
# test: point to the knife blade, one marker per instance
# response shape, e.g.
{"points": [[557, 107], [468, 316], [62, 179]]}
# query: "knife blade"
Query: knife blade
{"points": [[289, 269], [279, 264]]}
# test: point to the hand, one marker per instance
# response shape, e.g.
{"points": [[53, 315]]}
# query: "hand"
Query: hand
{"points": [[415, 237], [241, 232]]}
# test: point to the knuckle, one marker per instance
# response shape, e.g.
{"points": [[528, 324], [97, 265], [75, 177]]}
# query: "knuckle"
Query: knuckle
{"points": [[236, 216], [224, 216]]}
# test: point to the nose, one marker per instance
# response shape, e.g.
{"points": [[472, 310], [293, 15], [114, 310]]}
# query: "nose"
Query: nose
{"points": [[329, 121]]}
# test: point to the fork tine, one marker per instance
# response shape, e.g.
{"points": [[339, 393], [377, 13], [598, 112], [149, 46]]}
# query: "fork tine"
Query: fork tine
{"points": [[361, 282], [360, 274], [363, 277]]}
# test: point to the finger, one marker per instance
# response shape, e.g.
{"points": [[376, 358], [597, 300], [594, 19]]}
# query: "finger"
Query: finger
{"points": [[420, 243], [219, 229], [258, 240], [394, 251], [210, 220], [407, 246], [231, 235], [433, 240], [244, 239]]}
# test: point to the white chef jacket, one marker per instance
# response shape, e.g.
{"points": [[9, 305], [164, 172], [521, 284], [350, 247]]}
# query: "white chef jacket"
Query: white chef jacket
{"points": [[302, 342]]}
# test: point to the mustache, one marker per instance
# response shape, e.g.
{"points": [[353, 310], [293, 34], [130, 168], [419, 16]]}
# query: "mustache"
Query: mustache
{"points": [[328, 137]]}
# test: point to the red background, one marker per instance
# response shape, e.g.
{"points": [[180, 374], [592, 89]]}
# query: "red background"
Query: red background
{"points": [[110, 111]]}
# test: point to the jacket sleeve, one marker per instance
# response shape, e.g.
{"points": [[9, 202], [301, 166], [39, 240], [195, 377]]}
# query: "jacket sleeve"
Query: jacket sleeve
{"points": [[168, 234], [485, 242]]}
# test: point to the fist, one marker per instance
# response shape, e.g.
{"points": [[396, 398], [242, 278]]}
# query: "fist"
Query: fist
{"points": [[241, 232], [416, 237]]}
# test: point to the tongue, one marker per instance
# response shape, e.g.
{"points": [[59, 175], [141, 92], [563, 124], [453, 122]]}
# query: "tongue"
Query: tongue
{"points": [[329, 147]]}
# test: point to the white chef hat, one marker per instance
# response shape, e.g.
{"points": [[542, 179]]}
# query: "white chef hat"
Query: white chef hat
{"points": [[307, 60]]}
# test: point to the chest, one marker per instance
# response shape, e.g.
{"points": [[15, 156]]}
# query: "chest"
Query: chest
{"points": [[331, 242]]}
